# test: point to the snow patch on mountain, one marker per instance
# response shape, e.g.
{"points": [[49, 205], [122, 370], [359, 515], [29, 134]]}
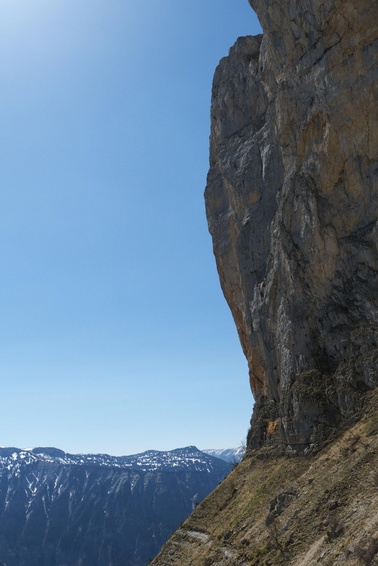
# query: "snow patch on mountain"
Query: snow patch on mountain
{"points": [[227, 454], [188, 458]]}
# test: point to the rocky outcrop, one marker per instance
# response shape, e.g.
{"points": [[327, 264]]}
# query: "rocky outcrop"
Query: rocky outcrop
{"points": [[292, 207]]}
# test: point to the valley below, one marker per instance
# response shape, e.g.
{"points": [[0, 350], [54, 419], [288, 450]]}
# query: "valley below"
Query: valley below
{"points": [[94, 509]]}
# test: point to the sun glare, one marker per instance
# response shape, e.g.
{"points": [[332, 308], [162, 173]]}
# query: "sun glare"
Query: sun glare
{"points": [[19, 16]]}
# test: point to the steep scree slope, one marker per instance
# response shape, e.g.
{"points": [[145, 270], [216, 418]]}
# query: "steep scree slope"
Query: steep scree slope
{"points": [[292, 207], [303, 511]]}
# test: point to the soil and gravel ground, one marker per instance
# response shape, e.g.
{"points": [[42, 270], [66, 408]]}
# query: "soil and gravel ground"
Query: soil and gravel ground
{"points": [[302, 511]]}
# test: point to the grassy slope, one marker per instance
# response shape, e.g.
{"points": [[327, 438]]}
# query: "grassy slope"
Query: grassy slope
{"points": [[321, 509]]}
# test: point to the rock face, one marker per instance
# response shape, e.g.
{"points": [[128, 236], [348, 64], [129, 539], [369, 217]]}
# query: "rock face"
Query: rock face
{"points": [[292, 207], [96, 510]]}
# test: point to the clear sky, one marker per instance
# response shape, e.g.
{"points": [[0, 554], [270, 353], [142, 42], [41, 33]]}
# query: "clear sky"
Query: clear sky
{"points": [[115, 336]]}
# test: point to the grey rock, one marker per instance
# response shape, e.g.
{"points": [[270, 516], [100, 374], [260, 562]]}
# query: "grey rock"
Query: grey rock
{"points": [[292, 207]]}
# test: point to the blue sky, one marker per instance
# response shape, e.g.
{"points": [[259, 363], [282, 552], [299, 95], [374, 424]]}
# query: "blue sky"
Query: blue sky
{"points": [[115, 336]]}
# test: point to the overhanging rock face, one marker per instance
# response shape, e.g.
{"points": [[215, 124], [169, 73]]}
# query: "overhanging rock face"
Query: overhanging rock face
{"points": [[292, 207]]}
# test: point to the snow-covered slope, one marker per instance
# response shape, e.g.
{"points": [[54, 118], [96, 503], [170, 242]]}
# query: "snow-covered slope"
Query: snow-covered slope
{"points": [[95, 509], [227, 454], [188, 458]]}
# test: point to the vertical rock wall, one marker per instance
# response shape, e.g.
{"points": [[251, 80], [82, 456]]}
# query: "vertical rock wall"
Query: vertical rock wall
{"points": [[292, 207]]}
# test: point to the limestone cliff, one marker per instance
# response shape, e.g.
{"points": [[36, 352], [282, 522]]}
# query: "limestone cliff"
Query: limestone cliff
{"points": [[292, 207]]}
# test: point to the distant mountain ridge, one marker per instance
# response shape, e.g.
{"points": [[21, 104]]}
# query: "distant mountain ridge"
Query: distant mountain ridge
{"points": [[94, 509], [228, 455], [188, 458]]}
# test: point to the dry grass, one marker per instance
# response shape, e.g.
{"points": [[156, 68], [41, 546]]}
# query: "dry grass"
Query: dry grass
{"points": [[300, 511]]}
